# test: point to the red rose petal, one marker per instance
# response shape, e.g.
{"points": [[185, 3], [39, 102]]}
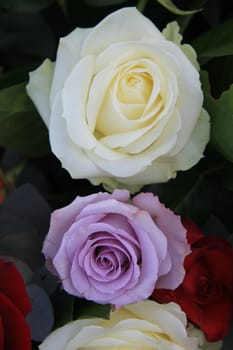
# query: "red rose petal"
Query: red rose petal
{"points": [[16, 330], [163, 296], [219, 263], [211, 241], [217, 319], [194, 233], [12, 285], [193, 310], [1, 335], [192, 278]]}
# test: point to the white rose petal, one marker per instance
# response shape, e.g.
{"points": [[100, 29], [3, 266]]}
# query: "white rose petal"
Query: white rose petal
{"points": [[68, 54], [126, 24], [64, 148], [43, 77]]}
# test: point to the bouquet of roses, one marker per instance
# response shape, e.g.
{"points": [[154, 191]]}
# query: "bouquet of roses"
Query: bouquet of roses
{"points": [[116, 175]]}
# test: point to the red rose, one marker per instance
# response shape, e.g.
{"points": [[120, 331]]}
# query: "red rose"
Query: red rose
{"points": [[14, 306], [206, 293]]}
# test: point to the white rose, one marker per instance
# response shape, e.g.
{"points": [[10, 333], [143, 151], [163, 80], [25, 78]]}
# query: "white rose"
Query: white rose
{"points": [[203, 344], [144, 325], [122, 102]]}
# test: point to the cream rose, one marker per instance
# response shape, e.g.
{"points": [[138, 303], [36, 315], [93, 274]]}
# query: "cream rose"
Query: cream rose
{"points": [[203, 344], [122, 102], [144, 325]]}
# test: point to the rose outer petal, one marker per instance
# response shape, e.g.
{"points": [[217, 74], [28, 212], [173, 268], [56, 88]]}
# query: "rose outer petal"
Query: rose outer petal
{"points": [[68, 53], [122, 24], [216, 320], [13, 287], [42, 76], [171, 226], [16, 329], [71, 156], [1, 334]]}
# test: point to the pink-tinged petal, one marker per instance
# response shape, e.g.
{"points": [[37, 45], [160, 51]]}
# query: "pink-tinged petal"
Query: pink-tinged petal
{"points": [[165, 265], [171, 226], [150, 263]]}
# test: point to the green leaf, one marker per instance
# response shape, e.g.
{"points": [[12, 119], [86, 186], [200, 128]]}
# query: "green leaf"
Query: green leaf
{"points": [[99, 3], [85, 308], [223, 204], [221, 74], [27, 35], [63, 308], [21, 128], [168, 4], [221, 112], [216, 42], [25, 5], [188, 195], [205, 84], [16, 75], [227, 178]]}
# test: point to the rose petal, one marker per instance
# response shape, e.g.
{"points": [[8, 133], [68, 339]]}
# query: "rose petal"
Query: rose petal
{"points": [[63, 218], [162, 317], [194, 233], [64, 335], [190, 97], [171, 226], [158, 171], [72, 158], [13, 287], [74, 103], [122, 24], [68, 54], [1, 334], [16, 329], [42, 76], [131, 165], [217, 319], [171, 33], [192, 151]]}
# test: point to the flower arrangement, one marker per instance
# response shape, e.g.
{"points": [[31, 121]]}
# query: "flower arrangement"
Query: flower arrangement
{"points": [[116, 175]]}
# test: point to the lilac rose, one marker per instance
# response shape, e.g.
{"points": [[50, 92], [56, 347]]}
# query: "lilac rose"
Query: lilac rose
{"points": [[107, 250]]}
